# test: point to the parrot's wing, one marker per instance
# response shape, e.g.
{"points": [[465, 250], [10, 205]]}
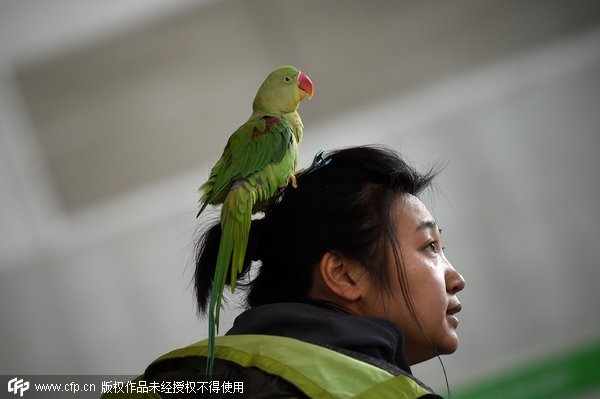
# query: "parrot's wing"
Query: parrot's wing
{"points": [[252, 147]]}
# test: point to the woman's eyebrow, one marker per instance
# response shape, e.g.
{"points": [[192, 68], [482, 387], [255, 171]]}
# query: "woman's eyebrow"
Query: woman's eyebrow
{"points": [[427, 224]]}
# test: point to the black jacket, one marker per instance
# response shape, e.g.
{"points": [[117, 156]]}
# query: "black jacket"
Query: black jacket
{"points": [[371, 340]]}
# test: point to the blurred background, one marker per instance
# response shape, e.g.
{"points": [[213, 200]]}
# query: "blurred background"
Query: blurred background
{"points": [[113, 112]]}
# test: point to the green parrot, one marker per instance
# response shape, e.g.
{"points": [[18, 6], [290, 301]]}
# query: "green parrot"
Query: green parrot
{"points": [[258, 161]]}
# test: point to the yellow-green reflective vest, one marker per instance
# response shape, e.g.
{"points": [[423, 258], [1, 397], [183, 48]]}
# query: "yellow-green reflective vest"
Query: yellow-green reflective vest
{"points": [[318, 372]]}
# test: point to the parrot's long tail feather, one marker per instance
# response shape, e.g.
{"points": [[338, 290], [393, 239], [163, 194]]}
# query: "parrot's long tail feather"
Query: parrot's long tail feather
{"points": [[236, 217], [201, 209]]}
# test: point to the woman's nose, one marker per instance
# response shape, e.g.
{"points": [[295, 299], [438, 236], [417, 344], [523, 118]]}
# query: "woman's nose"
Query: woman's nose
{"points": [[455, 281]]}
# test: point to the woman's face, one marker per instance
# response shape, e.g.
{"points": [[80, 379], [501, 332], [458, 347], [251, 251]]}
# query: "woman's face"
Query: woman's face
{"points": [[432, 281]]}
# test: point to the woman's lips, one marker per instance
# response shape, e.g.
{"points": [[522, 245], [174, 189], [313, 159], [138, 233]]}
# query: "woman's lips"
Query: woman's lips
{"points": [[450, 314], [454, 309], [453, 320]]}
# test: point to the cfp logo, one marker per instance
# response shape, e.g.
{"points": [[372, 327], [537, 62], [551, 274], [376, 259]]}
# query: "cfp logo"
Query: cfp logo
{"points": [[18, 386]]}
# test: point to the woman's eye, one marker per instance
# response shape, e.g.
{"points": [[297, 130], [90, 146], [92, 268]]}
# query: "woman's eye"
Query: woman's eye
{"points": [[434, 246]]}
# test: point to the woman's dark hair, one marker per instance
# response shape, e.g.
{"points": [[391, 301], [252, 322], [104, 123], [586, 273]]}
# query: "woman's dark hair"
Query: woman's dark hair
{"points": [[345, 206]]}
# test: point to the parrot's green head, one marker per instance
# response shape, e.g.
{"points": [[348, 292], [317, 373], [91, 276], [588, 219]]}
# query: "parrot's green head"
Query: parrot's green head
{"points": [[282, 91]]}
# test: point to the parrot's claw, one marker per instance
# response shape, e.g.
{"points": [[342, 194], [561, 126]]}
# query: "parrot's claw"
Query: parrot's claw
{"points": [[293, 180]]}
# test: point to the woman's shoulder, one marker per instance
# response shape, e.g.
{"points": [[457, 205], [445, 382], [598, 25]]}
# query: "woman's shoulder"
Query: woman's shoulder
{"points": [[262, 366], [228, 377]]}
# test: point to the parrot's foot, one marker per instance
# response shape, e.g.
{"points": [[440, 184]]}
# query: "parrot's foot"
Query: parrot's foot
{"points": [[293, 180]]}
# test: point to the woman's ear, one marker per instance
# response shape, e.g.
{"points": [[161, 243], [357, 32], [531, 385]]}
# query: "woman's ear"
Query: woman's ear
{"points": [[345, 278]]}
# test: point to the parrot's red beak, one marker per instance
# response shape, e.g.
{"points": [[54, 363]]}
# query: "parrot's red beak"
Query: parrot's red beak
{"points": [[305, 84]]}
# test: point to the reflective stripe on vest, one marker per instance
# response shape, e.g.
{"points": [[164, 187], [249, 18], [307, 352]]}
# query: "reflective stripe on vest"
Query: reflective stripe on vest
{"points": [[318, 372]]}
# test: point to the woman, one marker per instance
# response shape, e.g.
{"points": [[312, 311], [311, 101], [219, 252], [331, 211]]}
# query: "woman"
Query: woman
{"points": [[352, 288]]}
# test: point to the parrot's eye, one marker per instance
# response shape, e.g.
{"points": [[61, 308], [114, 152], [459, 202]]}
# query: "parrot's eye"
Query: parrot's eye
{"points": [[287, 79]]}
